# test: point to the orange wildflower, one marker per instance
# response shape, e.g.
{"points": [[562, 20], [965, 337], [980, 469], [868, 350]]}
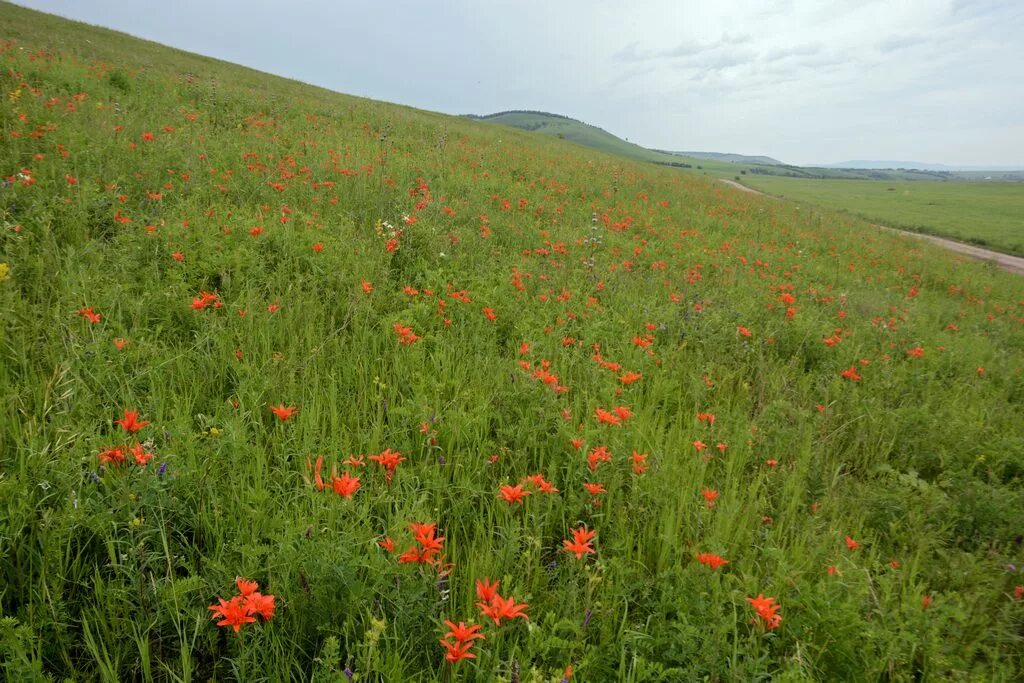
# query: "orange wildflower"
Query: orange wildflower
{"points": [[580, 543], [282, 412], [543, 485], [140, 454], [389, 460], [89, 314], [457, 651], [130, 422], [502, 608], [345, 485], [639, 462], [767, 609], [245, 586], [462, 633], [596, 456], [113, 456], [485, 590], [712, 560], [232, 613], [512, 494], [316, 473], [623, 412]]}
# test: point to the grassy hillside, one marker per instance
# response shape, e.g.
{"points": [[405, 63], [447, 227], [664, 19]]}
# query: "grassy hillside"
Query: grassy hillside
{"points": [[732, 158], [584, 134], [344, 375], [991, 214]]}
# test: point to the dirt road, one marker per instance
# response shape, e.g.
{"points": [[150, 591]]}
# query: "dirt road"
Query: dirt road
{"points": [[1013, 264]]}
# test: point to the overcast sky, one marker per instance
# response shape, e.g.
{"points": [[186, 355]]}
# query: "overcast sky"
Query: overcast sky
{"points": [[803, 81]]}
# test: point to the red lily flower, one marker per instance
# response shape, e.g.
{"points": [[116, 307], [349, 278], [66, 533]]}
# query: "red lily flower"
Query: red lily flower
{"points": [[580, 543], [130, 423]]}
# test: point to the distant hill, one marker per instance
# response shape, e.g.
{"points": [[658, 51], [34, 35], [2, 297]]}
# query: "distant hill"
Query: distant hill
{"points": [[917, 165], [731, 158], [570, 129]]}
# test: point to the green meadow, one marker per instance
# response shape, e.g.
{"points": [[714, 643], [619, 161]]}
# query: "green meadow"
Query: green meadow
{"points": [[963, 206], [302, 386], [979, 212]]}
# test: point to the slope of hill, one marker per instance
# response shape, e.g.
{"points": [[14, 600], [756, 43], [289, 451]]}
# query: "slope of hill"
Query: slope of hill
{"points": [[731, 158], [397, 396], [570, 129]]}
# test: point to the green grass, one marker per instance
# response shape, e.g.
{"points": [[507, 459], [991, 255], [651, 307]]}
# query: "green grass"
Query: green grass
{"points": [[137, 178], [986, 213]]}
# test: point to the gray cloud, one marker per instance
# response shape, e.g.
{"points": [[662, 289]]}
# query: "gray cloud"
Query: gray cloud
{"points": [[775, 54], [633, 53], [897, 42]]}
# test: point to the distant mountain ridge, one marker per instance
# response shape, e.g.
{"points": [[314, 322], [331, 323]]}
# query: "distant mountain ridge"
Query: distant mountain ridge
{"points": [[574, 130], [731, 164], [730, 157], [918, 165], [484, 117]]}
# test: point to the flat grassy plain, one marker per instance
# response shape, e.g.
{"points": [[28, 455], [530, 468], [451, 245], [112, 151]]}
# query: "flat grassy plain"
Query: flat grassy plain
{"points": [[376, 359], [986, 213]]}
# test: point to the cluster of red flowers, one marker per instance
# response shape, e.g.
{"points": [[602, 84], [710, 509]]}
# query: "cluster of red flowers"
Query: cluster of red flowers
{"points": [[581, 542], [767, 609], [495, 607], [615, 417], [543, 373], [712, 560], [639, 463], [116, 455], [597, 456], [205, 300], [405, 334], [427, 548], [243, 608], [389, 460], [92, 316], [595, 489], [345, 486], [459, 639], [542, 484]]}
